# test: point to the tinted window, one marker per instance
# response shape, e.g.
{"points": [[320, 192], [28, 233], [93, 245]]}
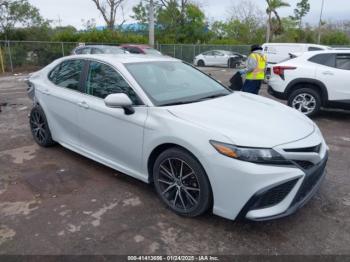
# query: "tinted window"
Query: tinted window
{"points": [[209, 53], [78, 51], [218, 53], [67, 74], [103, 80], [311, 48], [324, 59], [86, 50], [96, 51], [134, 50], [343, 61]]}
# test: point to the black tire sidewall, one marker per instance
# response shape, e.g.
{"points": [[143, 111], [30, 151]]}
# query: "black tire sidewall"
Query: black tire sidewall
{"points": [[311, 92], [205, 189], [48, 142], [200, 63]]}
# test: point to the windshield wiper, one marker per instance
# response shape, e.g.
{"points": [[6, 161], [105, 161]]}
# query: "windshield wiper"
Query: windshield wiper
{"points": [[194, 101], [211, 97], [179, 103]]}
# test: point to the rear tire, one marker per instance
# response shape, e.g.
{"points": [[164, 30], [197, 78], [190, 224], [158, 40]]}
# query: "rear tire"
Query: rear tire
{"points": [[305, 100], [182, 183], [40, 128], [201, 63]]}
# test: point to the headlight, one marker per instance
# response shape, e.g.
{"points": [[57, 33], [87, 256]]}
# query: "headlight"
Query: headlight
{"points": [[254, 155]]}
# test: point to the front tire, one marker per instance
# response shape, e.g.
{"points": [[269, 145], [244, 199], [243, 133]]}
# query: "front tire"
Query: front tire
{"points": [[306, 101], [40, 128], [182, 183]]}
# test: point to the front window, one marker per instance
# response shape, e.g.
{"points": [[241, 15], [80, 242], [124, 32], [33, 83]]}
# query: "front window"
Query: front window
{"points": [[103, 80], [168, 83], [343, 61]]}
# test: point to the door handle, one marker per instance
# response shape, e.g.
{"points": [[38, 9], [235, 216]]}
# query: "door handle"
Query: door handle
{"points": [[83, 105], [328, 73]]}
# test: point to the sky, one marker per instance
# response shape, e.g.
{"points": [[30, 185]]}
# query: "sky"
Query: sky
{"points": [[72, 12]]}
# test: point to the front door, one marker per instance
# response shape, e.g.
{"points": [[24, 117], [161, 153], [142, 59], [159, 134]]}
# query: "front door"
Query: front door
{"points": [[108, 133]]}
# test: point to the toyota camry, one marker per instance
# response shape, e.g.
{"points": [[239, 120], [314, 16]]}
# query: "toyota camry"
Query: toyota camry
{"points": [[162, 121]]}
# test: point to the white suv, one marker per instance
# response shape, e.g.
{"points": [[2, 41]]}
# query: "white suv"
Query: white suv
{"points": [[313, 80]]}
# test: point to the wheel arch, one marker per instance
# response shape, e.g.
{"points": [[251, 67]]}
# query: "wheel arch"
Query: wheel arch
{"points": [[308, 82], [165, 146], [160, 149]]}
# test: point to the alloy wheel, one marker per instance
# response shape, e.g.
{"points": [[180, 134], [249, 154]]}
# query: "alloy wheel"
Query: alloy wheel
{"points": [[305, 103], [38, 126], [179, 185]]}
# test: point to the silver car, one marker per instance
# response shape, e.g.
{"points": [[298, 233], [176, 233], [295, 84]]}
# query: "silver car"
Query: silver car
{"points": [[98, 49]]}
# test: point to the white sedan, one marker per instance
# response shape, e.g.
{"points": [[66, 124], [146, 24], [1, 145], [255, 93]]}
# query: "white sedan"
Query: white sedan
{"points": [[219, 58], [164, 122]]}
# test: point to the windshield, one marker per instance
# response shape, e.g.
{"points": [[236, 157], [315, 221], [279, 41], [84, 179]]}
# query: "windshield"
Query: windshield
{"points": [[170, 83], [151, 51]]}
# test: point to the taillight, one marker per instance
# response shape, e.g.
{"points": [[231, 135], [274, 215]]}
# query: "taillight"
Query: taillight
{"points": [[279, 70]]}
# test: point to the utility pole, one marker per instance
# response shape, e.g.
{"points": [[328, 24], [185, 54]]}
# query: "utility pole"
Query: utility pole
{"points": [[151, 23], [320, 24]]}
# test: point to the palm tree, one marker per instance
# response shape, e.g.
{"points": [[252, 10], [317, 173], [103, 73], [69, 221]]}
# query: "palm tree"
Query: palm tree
{"points": [[272, 6]]}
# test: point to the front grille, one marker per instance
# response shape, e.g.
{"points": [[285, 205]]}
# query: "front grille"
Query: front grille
{"points": [[313, 149], [310, 181], [305, 164], [274, 196]]}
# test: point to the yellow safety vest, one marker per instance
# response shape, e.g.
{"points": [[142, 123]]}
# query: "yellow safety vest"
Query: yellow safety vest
{"points": [[259, 71]]}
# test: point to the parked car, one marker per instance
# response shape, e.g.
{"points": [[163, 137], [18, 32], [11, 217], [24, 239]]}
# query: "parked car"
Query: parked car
{"points": [[164, 122], [98, 49], [278, 52], [218, 58], [313, 80], [141, 49]]}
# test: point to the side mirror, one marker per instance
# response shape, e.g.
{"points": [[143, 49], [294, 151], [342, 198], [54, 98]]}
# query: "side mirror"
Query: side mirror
{"points": [[120, 100]]}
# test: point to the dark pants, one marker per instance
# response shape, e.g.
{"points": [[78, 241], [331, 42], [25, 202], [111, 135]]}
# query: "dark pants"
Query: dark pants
{"points": [[252, 86]]}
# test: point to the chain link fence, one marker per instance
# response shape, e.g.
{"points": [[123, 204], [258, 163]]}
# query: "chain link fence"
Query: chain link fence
{"points": [[188, 52], [21, 56]]}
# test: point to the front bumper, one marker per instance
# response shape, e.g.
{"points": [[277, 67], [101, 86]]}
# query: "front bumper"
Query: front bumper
{"points": [[237, 185], [302, 192]]}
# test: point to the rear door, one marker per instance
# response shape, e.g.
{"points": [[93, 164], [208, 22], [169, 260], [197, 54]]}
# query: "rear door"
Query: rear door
{"points": [[220, 58], [59, 96], [334, 72], [209, 58]]}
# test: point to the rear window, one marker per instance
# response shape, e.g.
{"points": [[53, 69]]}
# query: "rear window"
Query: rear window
{"points": [[343, 61], [312, 48], [324, 59]]}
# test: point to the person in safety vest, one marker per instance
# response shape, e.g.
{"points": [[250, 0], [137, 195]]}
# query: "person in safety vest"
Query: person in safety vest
{"points": [[254, 71]]}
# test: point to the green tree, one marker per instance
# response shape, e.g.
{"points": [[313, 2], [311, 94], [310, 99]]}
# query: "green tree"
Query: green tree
{"points": [[18, 12], [303, 8], [272, 7]]}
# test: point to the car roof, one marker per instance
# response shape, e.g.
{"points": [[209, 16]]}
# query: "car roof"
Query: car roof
{"points": [[329, 51], [97, 46], [296, 44], [136, 45], [123, 58]]}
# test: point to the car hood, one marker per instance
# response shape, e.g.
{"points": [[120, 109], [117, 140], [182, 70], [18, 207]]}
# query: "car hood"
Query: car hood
{"points": [[247, 120]]}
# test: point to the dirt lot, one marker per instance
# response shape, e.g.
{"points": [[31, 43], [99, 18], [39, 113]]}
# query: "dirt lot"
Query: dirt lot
{"points": [[53, 201]]}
